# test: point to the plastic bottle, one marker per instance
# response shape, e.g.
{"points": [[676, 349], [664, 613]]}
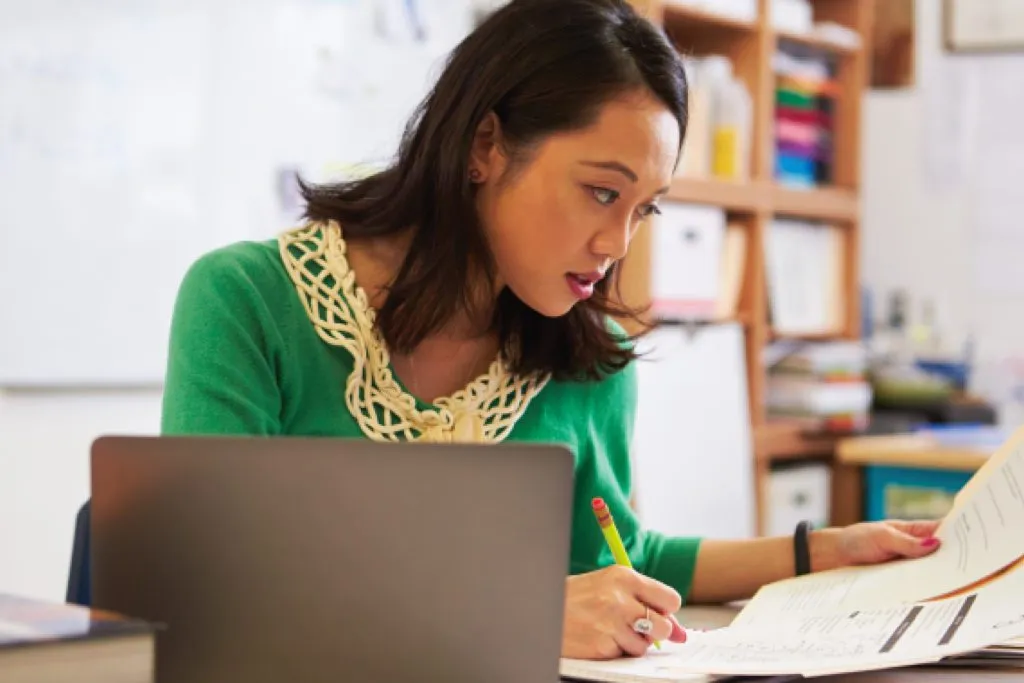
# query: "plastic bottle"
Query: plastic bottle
{"points": [[733, 114], [731, 118]]}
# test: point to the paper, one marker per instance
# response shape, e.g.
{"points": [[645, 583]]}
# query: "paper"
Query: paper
{"points": [[980, 537], [649, 668], [964, 597], [833, 641], [827, 643], [982, 534], [843, 641]]}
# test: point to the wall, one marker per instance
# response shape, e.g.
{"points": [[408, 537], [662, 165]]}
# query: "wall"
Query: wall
{"points": [[940, 210], [920, 231], [44, 476], [298, 52]]}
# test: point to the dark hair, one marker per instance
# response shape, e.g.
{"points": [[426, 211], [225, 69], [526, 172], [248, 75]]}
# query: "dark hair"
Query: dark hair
{"points": [[543, 67]]}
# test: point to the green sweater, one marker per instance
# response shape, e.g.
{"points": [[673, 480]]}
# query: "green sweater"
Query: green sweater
{"points": [[244, 358]]}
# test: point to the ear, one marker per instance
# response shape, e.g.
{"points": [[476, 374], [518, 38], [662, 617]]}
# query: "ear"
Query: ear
{"points": [[486, 159]]}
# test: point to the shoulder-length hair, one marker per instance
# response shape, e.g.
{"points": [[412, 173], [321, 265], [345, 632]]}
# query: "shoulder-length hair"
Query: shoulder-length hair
{"points": [[543, 67]]}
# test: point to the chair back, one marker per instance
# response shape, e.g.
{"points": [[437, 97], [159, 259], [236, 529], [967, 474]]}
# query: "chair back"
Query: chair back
{"points": [[79, 580]]}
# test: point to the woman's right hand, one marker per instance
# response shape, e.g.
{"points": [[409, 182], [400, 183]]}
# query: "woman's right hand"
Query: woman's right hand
{"points": [[601, 607]]}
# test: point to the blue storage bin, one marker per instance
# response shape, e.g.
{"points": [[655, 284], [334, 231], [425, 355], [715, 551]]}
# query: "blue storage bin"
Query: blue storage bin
{"points": [[910, 493]]}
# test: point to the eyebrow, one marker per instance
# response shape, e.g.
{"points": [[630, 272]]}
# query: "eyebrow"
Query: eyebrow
{"points": [[621, 168]]}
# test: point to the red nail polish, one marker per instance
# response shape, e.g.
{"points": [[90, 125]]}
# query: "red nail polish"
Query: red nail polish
{"points": [[930, 542]]}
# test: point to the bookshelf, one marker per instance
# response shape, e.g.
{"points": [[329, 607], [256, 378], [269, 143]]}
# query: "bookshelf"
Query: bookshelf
{"points": [[753, 203]]}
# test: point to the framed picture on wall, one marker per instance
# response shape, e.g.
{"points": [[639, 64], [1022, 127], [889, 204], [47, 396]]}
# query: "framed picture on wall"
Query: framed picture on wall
{"points": [[983, 25]]}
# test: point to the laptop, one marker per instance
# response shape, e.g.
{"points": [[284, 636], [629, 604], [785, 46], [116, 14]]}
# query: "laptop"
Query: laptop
{"points": [[307, 559]]}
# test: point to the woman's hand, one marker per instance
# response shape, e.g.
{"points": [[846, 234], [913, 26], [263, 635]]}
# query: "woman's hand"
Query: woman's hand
{"points": [[601, 606], [875, 542]]}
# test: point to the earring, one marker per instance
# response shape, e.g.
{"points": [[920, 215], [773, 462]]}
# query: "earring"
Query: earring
{"points": [[475, 175]]}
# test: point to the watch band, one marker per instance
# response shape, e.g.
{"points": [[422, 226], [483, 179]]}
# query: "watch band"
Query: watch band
{"points": [[801, 551]]}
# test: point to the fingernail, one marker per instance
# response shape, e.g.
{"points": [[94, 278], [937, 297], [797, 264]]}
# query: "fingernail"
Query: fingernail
{"points": [[678, 635], [930, 542]]}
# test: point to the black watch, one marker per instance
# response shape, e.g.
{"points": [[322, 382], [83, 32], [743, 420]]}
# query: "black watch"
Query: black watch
{"points": [[801, 550]]}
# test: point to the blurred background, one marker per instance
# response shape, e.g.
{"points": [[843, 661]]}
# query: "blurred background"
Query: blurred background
{"points": [[836, 274]]}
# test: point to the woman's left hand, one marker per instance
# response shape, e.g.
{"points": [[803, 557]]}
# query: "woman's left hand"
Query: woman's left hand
{"points": [[875, 542]]}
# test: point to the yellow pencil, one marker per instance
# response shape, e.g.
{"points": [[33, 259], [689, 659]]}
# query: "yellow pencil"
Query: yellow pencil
{"points": [[611, 536]]}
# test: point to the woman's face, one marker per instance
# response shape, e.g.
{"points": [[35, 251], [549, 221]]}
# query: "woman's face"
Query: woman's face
{"points": [[561, 220]]}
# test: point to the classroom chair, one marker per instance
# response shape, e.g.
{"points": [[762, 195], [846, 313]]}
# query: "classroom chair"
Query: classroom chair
{"points": [[79, 582]]}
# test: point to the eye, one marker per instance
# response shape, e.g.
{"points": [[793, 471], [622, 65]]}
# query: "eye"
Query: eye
{"points": [[603, 195], [649, 210]]}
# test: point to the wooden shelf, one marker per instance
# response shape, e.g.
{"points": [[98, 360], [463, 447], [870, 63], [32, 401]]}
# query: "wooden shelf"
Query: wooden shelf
{"points": [[816, 42], [912, 450], [826, 204], [751, 205], [779, 440], [810, 336], [743, 319], [734, 196], [685, 18]]}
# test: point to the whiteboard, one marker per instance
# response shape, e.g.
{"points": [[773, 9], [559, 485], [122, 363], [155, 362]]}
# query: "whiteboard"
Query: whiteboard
{"points": [[692, 450], [136, 135]]}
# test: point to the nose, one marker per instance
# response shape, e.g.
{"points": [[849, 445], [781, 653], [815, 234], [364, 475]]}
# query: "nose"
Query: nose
{"points": [[613, 240]]}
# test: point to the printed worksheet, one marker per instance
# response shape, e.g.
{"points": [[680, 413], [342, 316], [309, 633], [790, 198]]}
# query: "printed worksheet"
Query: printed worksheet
{"points": [[842, 641], [980, 538], [961, 599]]}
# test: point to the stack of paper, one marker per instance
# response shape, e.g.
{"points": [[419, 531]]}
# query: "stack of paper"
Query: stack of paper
{"points": [[1009, 654], [822, 382], [961, 604]]}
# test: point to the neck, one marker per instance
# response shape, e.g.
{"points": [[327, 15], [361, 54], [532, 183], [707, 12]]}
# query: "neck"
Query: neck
{"points": [[377, 262]]}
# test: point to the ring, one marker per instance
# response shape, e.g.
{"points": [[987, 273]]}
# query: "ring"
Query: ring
{"points": [[644, 626]]}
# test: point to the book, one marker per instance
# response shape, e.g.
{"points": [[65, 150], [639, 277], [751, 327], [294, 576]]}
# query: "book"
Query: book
{"points": [[731, 270], [804, 264], [46, 642], [958, 604]]}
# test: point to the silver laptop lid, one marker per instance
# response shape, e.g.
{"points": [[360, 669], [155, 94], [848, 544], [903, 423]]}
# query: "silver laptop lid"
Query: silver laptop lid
{"points": [[301, 559]]}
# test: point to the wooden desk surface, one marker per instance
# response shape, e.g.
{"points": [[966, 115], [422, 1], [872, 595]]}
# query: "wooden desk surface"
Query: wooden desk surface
{"points": [[910, 451], [707, 617]]}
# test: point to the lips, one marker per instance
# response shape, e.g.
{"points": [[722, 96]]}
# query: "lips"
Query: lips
{"points": [[587, 279], [582, 284]]}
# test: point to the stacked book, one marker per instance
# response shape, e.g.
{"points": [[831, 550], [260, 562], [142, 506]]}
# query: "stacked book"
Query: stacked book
{"points": [[804, 104], [50, 642], [824, 384]]}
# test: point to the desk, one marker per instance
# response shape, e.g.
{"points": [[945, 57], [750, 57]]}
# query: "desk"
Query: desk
{"points": [[705, 617], [917, 451]]}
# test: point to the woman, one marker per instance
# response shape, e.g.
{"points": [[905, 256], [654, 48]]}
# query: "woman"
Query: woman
{"points": [[464, 293]]}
